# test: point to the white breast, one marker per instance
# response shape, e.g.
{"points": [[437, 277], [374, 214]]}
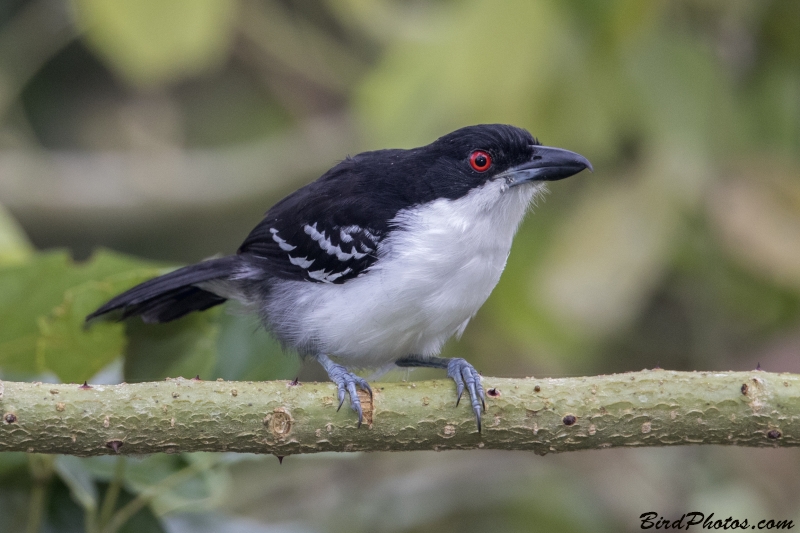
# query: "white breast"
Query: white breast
{"points": [[432, 276]]}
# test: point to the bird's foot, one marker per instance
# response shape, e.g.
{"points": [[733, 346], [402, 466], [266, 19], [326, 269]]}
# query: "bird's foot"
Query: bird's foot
{"points": [[346, 382], [465, 375]]}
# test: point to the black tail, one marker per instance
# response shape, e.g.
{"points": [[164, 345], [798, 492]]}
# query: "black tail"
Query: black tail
{"points": [[172, 295]]}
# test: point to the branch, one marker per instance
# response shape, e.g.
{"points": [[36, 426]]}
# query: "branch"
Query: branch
{"points": [[648, 408]]}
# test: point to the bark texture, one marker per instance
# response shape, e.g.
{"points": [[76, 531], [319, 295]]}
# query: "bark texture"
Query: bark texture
{"points": [[648, 408]]}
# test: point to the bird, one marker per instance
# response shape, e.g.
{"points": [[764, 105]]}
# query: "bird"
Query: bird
{"points": [[379, 261]]}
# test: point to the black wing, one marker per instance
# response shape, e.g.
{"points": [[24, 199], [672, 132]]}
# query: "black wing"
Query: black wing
{"points": [[326, 232], [313, 250]]}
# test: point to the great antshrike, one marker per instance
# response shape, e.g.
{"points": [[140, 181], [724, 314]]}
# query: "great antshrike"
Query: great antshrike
{"points": [[379, 261]]}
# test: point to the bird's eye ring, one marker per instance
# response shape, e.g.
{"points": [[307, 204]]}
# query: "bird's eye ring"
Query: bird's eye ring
{"points": [[480, 160]]}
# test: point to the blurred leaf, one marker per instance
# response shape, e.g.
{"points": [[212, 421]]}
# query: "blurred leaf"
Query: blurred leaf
{"points": [[608, 256], [149, 41], [145, 521], [28, 293], [202, 491], [451, 76], [77, 477], [684, 91], [63, 513], [24, 298], [186, 347], [199, 491], [758, 221], [14, 245], [384, 21], [66, 516], [143, 471], [300, 47], [13, 509], [70, 349], [43, 305], [248, 352], [11, 461]]}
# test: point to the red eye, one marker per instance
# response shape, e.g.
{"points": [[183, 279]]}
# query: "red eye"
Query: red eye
{"points": [[480, 160]]}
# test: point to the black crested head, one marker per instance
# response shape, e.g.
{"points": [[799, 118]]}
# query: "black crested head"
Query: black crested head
{"points": [[449, 168], [511, 140], [471, 156]]}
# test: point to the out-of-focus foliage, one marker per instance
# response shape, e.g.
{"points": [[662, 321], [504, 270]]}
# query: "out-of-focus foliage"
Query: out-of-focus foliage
{"points": [[45, 301], [165, 129], [150, 42], [14, 246]]}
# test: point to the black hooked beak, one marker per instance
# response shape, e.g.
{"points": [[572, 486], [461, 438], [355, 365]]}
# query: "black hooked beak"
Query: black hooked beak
{"points": [[547, 164]]}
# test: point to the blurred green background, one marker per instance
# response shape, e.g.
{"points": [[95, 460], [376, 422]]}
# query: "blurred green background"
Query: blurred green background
{"points": [[162, 130]]}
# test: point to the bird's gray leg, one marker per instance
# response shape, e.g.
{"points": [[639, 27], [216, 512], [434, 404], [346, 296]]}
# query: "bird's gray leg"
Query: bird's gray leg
{"points": [[345, 381], [463, 373]]}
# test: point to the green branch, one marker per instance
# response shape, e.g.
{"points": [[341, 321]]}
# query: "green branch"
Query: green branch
{"points": [[648, 408]]}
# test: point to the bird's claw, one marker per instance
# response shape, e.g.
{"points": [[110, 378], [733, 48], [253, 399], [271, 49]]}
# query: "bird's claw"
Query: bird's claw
{"points": [[465, 376], [346, 383]]}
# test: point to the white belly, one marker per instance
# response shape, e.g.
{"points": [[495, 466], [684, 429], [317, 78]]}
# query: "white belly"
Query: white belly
{"points": [[424, 288]]}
